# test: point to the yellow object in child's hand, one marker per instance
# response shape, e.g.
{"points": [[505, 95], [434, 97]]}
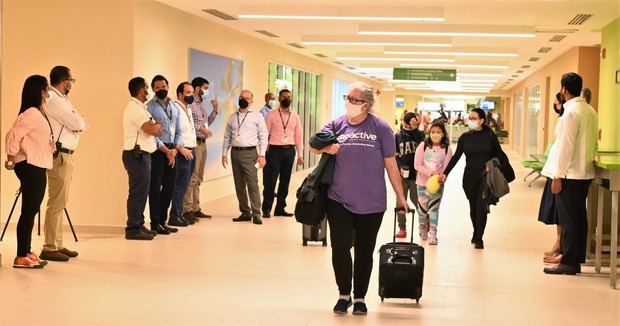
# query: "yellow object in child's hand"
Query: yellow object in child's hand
{"points": [[432, 185]]}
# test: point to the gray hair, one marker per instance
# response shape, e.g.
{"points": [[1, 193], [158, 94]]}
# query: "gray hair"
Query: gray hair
{"points": [[368, 93], [586, 93]]}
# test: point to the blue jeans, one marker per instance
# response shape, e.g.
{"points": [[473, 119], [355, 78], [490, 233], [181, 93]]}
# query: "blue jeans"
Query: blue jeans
{"points": [[139, 172], [185, 168]]}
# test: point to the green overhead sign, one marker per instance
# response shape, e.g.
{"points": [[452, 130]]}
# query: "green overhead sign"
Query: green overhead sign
{"points": [[424, 74]]}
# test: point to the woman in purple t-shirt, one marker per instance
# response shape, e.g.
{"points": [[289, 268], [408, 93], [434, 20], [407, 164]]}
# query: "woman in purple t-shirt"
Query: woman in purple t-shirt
{"points": [[357, 195]]}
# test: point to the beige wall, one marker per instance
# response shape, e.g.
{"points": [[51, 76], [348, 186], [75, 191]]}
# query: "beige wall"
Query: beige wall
{"points": [[580, 60], [80, 35], [109, 42]]}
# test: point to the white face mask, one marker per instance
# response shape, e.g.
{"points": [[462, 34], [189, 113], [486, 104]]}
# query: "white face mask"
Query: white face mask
{"points": [[272, 103], [352, 109], [472, 124], [205, 95], [436, 138]]}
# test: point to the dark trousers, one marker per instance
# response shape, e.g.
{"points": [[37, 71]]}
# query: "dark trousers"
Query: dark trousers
{"points": [[280, 163], [163, 178], [571, 205], [410, 187], [477, 213], [343, 224], [184, 174], [33, 181], [139, 172]]}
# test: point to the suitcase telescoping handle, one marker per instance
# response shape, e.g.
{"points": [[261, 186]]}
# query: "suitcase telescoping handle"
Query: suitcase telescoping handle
{"points": [[401, 210]]}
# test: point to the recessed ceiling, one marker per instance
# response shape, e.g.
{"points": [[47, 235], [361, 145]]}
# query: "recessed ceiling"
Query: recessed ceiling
{"points": [[481, 39]]}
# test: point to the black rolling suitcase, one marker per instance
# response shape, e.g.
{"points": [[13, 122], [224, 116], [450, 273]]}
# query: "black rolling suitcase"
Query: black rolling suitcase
{"points": [[316, 233], [401, 268]]}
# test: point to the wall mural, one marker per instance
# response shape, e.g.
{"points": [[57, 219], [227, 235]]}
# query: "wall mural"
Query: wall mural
{"points": [[225, 78]]}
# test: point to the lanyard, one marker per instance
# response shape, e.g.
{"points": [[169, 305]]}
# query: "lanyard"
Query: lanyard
{"points": [[282, 119], [49, 124], [166, 110], [239, 124]]}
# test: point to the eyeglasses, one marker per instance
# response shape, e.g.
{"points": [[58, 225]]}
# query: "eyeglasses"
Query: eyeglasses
{"points": [[71, 80], [353, 100]]}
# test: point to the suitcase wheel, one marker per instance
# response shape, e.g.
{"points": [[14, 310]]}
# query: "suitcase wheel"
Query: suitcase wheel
{"points": [[324, 242], [305, 243], [382, 299], [417, 301]]}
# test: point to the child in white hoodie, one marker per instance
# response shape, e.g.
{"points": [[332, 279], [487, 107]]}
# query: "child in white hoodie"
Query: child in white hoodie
{"points": [[431, 158]]}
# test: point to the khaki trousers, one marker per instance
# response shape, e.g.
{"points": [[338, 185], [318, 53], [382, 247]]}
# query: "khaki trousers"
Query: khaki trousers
{"points": [[58, 180], [191, 201]]}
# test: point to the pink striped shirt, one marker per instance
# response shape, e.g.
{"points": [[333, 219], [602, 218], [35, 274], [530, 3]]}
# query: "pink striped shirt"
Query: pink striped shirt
{"points": [[30, 139], [276, 121]]}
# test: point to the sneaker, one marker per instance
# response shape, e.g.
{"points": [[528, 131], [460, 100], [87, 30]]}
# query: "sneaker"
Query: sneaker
{"points": [[32, 256], [54, 255], [359, 309], [423, 235], [342, 306], [432, 235], [256, 220], [67, 252], [401, 234], [25, 262]]}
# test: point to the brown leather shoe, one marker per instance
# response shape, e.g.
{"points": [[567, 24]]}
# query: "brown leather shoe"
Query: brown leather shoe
{"points": [[67, 252], [53, 255]]}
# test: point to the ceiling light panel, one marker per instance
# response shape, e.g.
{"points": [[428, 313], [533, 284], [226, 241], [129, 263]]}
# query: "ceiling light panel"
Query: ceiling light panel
{"points": [[447, 30], [386, 14], [361, 40], [456, 54], [383, 59], [454, 66]]}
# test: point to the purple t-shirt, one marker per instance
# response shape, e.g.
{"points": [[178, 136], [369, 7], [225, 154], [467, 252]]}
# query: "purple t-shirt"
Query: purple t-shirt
{"points": [[359, 178]]}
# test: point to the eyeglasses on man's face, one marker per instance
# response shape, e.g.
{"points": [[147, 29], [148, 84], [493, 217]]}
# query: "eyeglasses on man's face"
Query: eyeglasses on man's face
{"points": [[353, 100]]}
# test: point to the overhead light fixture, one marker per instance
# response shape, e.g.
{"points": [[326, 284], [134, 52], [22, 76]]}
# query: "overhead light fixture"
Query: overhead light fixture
{"points": [[345, 43], [454, 66], [471, 54], [344, 18], [388, 89], [452, 34], [477, 75], [391, 59], [447, 30]]}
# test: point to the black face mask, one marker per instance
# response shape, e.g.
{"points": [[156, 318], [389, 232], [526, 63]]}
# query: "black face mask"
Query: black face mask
{"points": [[161, 94], [285, 103], [243, 103]]}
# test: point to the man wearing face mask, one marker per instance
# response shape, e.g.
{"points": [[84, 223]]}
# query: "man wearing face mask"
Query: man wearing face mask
{"points": [[185, 157], [285, 137], [572, 171], [202, 121], [163, 166], [270, 103], [407, 140], [67, 125], [245, 131], [140, 130]]}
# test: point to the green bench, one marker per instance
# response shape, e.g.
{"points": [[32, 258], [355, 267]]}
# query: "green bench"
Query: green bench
{"points": [[536, 165]]}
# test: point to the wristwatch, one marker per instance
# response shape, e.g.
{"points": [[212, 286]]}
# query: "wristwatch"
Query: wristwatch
{"points": [[9, 163]]}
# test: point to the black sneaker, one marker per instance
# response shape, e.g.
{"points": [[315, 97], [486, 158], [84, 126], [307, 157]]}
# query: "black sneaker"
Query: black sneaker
{"points": [[359, 308], [479, 244], [342, 306]]}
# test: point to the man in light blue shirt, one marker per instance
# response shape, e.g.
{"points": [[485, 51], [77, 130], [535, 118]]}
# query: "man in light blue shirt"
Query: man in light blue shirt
{"points": [[163, 168], [245, 131], [270, 103]]}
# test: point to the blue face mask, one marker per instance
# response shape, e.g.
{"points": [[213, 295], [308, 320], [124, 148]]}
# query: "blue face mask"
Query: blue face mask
{"points": [[205, 95], [189, 99]]}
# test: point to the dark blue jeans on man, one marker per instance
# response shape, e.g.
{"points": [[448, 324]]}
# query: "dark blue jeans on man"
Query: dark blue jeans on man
{"points": [[139, 172], [163, 179], [185, 168]]}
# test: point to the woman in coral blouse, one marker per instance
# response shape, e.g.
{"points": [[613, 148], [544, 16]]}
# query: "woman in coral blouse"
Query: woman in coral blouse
{"points": [[29, 149]]}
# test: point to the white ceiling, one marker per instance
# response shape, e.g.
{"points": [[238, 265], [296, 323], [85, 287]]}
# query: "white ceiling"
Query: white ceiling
{"points": [[543, 18]]}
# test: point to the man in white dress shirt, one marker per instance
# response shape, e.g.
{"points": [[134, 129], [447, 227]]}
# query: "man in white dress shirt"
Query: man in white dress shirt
{"points": [[67, 124], [245, 130], [572, 170]]}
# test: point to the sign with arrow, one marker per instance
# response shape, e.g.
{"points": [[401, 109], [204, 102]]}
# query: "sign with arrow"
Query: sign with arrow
{"points": [[424, 74]]}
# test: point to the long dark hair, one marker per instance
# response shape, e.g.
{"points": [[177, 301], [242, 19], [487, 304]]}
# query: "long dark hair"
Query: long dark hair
{"points": [[560, 99], [32, 92], [482, 115], [444, 143]]}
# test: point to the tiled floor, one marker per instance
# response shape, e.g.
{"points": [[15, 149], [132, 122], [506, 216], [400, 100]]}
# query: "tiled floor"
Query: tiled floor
{"points": [[220, 273]]}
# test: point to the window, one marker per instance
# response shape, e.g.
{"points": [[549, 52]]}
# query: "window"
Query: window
{"points": [[533, 108]]}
